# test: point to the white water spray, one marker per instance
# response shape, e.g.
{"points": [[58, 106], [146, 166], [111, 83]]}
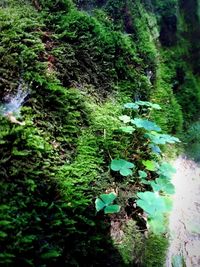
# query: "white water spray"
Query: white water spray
{"points": [[13, 103]]}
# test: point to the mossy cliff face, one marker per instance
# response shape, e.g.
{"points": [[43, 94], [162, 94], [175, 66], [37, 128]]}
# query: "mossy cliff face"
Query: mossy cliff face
{"points": [[80, 62]]}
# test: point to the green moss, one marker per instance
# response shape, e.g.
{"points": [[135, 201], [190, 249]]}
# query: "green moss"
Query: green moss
{"points": [[170, 118], [20, 46], [80, 67], [131, 244], [155, 251]]}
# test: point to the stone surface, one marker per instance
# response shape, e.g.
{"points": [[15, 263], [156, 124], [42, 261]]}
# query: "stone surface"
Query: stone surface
{"points": [[184, 221]]}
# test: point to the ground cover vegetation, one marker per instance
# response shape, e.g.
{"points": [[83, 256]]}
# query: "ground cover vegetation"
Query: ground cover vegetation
{"points": [[83, 177]]}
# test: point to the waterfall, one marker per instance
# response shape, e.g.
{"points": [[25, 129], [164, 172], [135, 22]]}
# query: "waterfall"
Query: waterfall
{"points": [[11, 104]]}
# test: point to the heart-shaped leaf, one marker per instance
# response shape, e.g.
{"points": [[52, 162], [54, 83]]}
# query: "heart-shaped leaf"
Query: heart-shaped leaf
{"points": [[122, 166], [125, 172], [144, 181], [150, 165], [157, 224], [142, 174], [125, 118], [108, 198], [155, 149], [146, 124], [161, 139], [151, 203], [112, 209], [166, 170], [133, 106], [168, 203], [105, 202], [128, 129], [164, 185], [99, 204], [148, 104]]}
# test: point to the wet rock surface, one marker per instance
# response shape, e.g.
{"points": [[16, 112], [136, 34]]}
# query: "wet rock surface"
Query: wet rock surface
{"points": [[184, 221]]}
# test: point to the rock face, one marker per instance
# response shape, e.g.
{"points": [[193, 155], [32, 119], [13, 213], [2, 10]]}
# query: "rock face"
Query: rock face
{"points": [[185, 217], [79, 62]]}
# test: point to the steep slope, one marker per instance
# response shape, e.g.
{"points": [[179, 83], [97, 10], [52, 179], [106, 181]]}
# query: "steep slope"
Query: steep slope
{"points": [[75, 65]]}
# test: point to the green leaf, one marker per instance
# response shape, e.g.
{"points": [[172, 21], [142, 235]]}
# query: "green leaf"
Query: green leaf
{"points": [[155, 149], [50, 254], [168, 203], [161, 184], [125, 118], [126, 172], [108, 198], [99, 204], [148, 104], [151, 203], [161, 139], [133, 106], [104, 200], [122, 166], [142, 174], [150, 165], [166, 170], [112, 209], [146, 124], [128, 129], [3, 234], [22, 153], [178, 261], [157, 224], [4, 223], [144, 181], [117, 164]]}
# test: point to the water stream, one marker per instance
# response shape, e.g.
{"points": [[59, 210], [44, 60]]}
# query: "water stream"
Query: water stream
{"points": [[12, 103], [184, 220]]}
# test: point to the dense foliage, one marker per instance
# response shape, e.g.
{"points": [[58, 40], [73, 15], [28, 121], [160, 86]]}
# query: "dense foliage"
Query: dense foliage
{"points": [[76, 142]]}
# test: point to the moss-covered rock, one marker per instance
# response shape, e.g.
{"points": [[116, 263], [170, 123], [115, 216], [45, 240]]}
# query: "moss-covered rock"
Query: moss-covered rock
{"points": [[80, 66]]}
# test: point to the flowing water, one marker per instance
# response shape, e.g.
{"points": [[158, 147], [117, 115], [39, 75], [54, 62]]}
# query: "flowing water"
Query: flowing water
{"points": [[184, 221], [13, 103]]}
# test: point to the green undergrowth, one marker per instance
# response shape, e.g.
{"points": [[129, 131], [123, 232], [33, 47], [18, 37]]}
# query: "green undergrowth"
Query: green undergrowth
{"points": [[21, 46], [171, 117], [155, 251], [52, 188], [80, 67], [130, 244]]}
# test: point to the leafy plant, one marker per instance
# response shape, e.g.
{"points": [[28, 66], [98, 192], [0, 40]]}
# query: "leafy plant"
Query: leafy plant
{"points": [[125, 118], [155, 206], [161, 184], [148, 104], [105, 202], [133, 106], [127, 129], [146, 124], [150, 165], [142, 174], [151, 203], [166, 170], [161, 139], [155, 149], [123, 166]]}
